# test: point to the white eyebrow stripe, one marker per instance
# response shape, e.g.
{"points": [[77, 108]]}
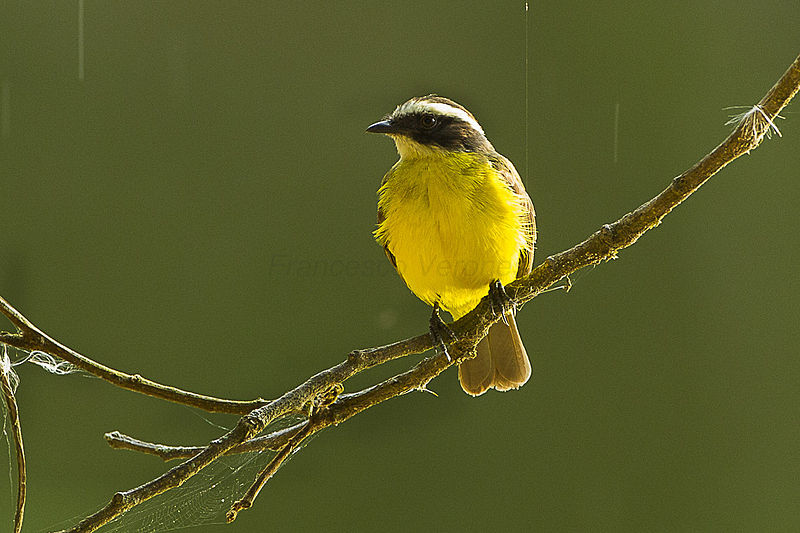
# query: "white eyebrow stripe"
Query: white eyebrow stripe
{"points": [[439, 108]]}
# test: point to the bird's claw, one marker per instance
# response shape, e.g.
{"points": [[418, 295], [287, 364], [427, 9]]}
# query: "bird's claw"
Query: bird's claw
{"points": [[440, 330], [500, 300]]}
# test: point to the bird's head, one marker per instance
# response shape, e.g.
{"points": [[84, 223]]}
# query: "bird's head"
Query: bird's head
{"points": [[426, 125]]}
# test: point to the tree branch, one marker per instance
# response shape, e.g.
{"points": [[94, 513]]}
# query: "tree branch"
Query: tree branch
{"points": [[246, 501], [605, 243], [273, 441], [7, 378], [602, 245], [30, 338]]}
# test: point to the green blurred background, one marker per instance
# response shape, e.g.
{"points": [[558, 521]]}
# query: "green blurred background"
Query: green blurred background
{"points": [[198, 209]]}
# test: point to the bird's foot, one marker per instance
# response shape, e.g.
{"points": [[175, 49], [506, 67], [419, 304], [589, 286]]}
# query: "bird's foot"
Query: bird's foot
{"points": [[500, 301], [441, 331]]}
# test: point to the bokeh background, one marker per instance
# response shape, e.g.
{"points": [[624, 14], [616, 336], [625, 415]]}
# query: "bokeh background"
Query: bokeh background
{"points": [[192, 199]]}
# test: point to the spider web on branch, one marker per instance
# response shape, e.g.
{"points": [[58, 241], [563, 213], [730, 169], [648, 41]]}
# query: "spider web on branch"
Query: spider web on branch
{"points": [[203, 499]]}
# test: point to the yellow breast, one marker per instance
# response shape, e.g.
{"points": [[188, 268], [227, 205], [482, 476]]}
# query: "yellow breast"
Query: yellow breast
{"points": [[453, 226]]}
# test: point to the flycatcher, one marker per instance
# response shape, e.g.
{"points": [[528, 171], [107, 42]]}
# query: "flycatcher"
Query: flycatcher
{"points": [[455, 221]]}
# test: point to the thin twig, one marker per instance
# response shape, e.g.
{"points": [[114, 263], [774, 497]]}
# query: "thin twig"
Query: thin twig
{"points": [[16, 429], [315, 422], [602, 245], [246, 501], [273, 441], [31, 338]]}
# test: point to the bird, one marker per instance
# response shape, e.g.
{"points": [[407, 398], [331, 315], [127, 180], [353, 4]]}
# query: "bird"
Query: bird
{"points": [[456, 222]]}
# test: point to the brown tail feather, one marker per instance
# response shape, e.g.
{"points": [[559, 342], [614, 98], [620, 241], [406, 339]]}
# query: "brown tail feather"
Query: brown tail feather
{"points": [[502, 361]]}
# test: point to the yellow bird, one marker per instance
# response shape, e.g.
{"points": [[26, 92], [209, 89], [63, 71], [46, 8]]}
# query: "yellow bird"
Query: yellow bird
{"points": [[456, 222]]}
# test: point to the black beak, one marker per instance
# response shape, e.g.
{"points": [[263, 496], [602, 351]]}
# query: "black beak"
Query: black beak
{"points": [[384, 126]]}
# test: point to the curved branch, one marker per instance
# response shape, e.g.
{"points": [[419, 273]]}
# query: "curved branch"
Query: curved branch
{"points": [[602, 245], [31, 338], [16, 429], [605, 243]]}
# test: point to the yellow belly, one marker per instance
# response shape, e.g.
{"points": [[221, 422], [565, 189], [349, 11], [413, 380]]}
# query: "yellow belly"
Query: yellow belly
{"points": [[453, 226]]}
